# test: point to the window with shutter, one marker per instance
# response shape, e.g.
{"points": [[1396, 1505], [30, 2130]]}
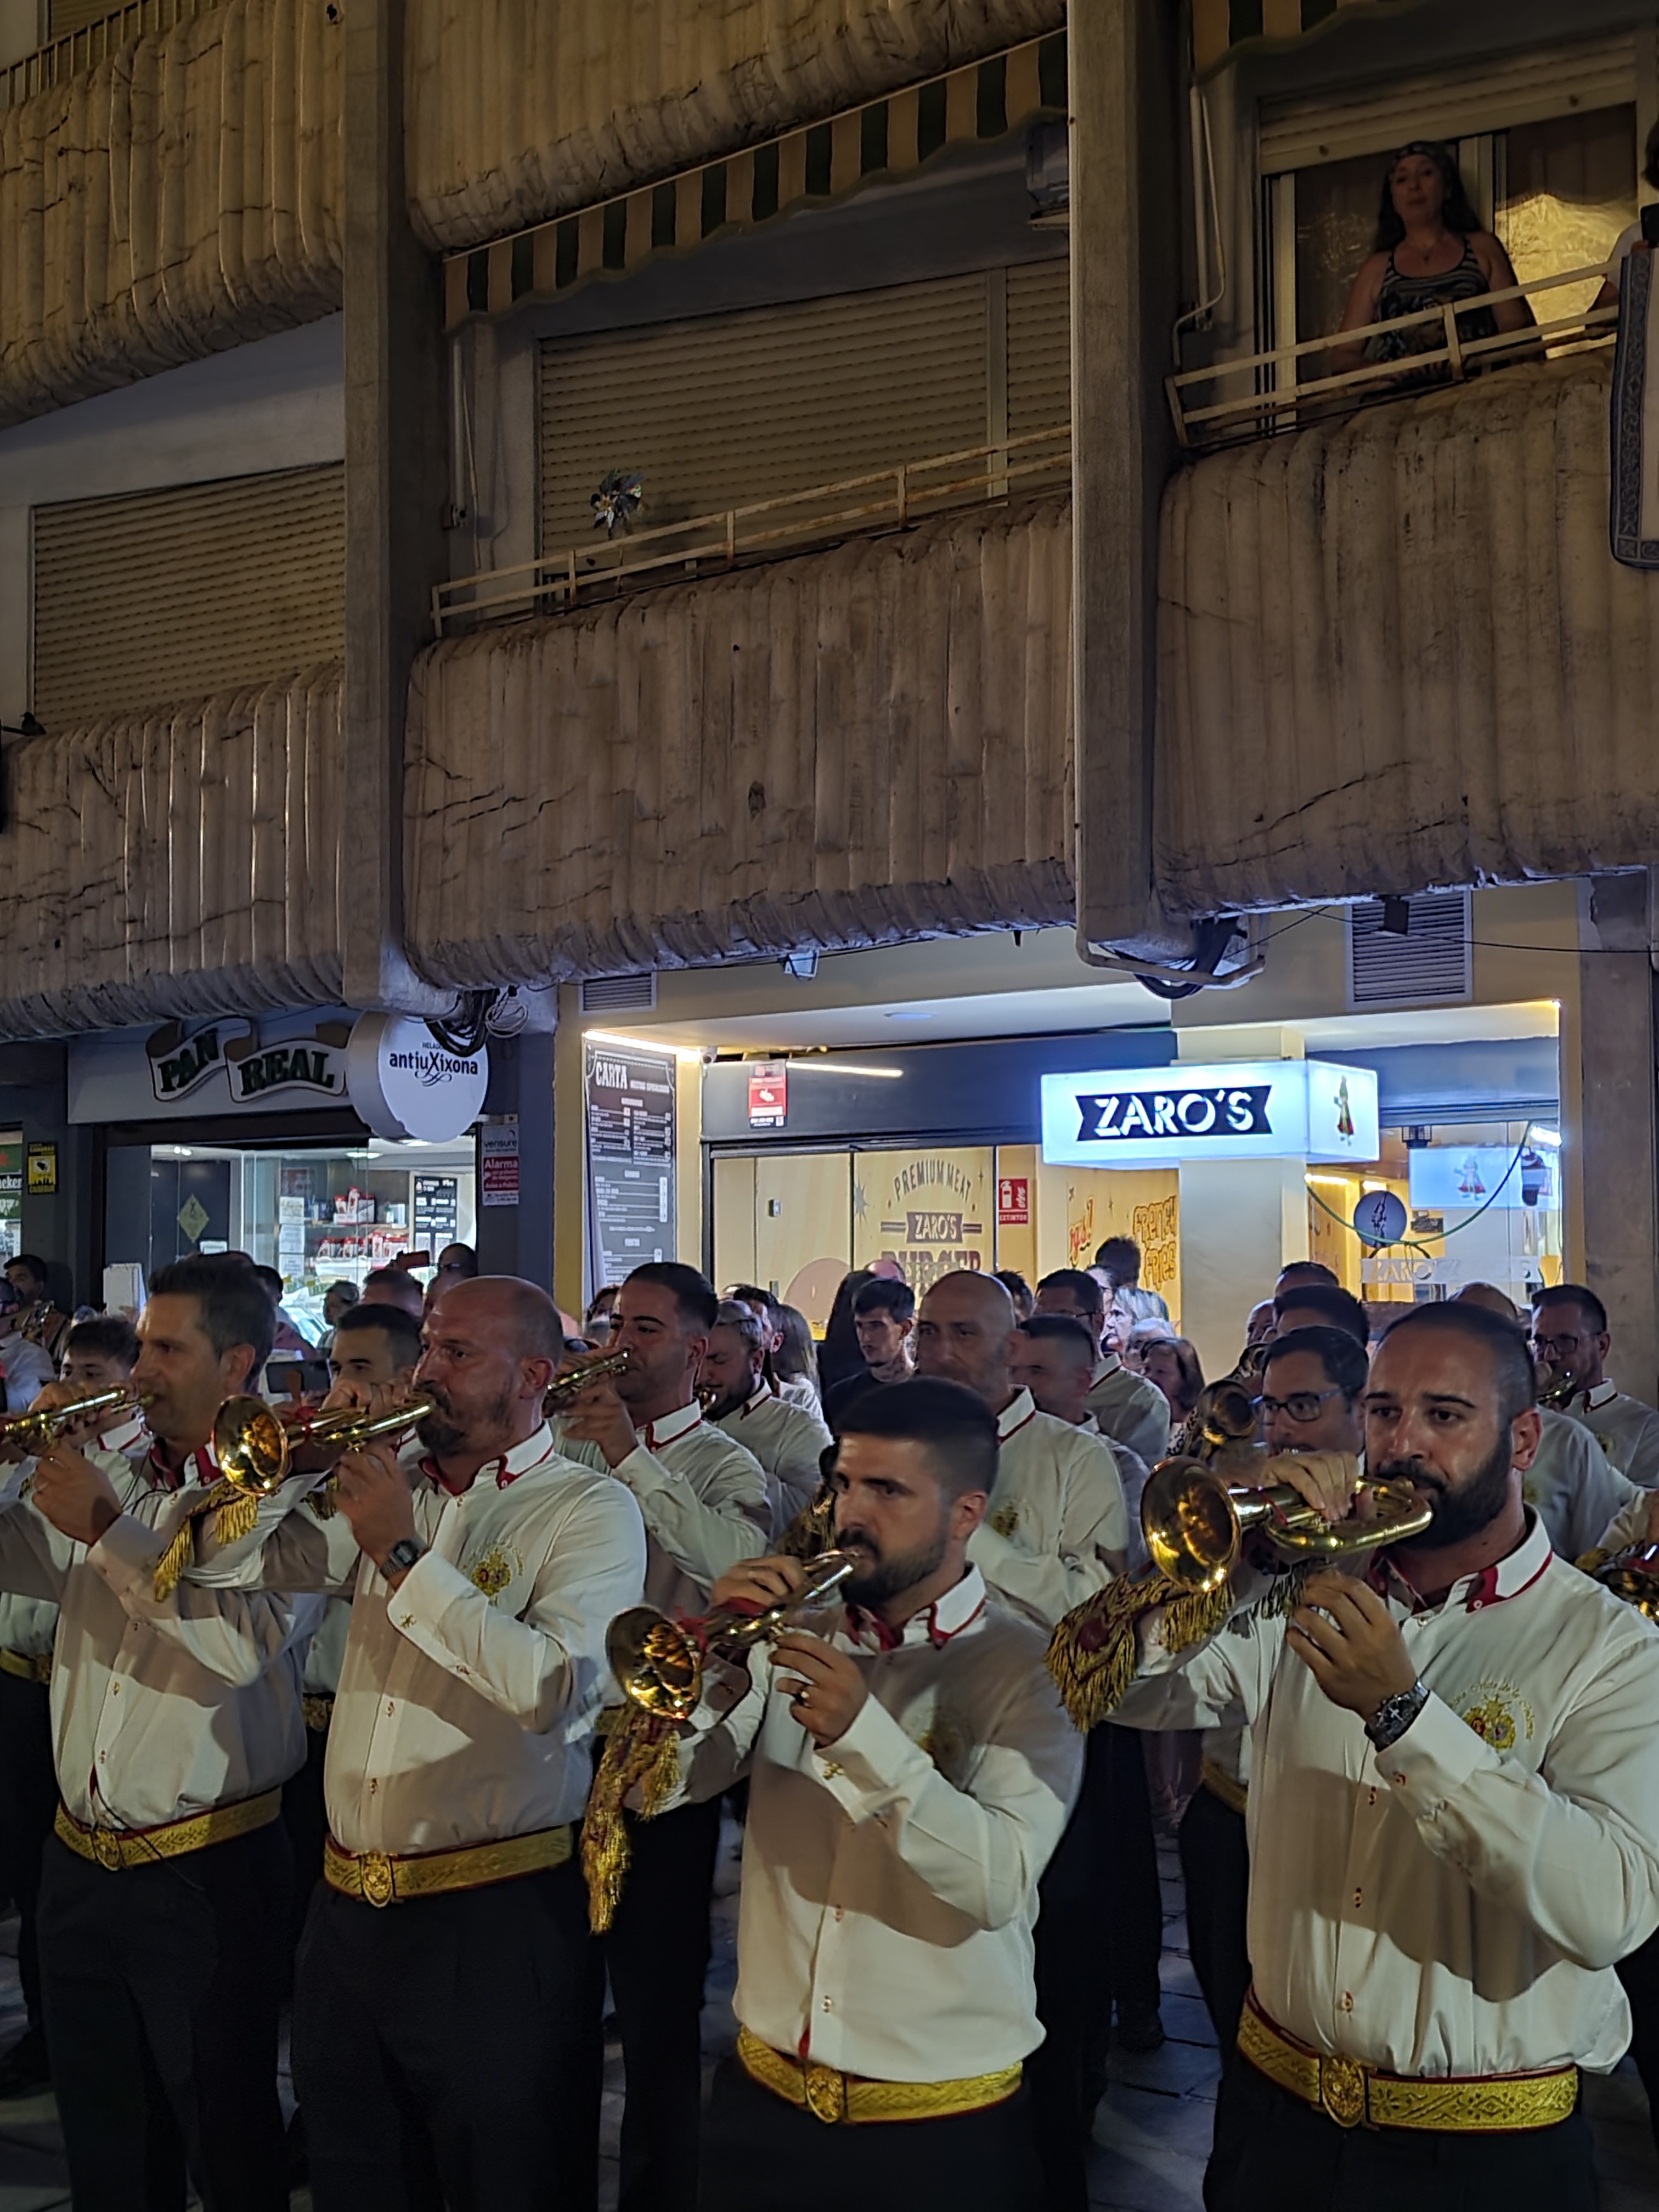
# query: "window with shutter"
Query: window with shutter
{"points": [[164, 596]]}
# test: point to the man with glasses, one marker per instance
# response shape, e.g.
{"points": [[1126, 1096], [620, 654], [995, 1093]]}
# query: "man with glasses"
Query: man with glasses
{"points": [[1311, 1391], [1570, 1335]]}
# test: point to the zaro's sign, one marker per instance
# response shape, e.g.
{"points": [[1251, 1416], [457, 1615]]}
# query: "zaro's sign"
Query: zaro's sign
{"points": [[1237, 1110]]}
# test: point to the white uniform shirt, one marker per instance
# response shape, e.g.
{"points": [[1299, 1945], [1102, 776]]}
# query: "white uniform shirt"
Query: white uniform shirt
{"points": [[1454, 1904], [704, 1499], [158, 1711], [468, 1695], [1057, 1511], [27, 1369], [28, 1625], [1626, 1430], [788, 1442], [889, 1881], [1574, 1485], [1130, 1410]]}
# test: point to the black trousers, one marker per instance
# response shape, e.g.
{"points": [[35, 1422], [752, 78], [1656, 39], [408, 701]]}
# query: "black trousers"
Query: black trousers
{"points": [[656, 1955], [1215, 1865], [435, 2047], [28, 1801], [304, 1816], [1099, 1933], [161, 1987], [1640, 1975], [1271, 2150], [761, 2153]]}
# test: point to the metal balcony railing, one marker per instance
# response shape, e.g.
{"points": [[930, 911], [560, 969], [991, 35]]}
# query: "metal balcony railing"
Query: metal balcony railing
{"points": [[76, 50], [887, 499], [1278, 395]]}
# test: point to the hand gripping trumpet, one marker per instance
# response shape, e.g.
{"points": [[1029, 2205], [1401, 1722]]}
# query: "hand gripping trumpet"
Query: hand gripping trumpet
{"points": [[565, 1388], [33, 1433], [1196, 1510], [659, 1667], [253, 1451]]}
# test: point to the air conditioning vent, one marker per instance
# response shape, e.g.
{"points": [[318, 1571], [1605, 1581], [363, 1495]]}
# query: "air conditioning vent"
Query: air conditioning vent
{"points": [[1429, 964], [621, 995]]}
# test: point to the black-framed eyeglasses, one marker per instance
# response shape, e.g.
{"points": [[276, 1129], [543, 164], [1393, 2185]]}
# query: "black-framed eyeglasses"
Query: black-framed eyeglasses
{"points": [[1301, 1406]]}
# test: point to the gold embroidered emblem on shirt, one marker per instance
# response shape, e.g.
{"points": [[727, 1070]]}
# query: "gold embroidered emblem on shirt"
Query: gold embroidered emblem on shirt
{"points": [[1499, 1715], [1005, 1519], [494, 1571]]}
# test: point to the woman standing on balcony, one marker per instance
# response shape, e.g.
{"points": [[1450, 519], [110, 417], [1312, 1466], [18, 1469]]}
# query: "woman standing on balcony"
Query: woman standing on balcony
{"points": [[1431, 251]]}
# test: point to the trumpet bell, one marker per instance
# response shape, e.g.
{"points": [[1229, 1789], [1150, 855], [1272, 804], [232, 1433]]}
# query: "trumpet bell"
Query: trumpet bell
{"points": [[1195, 1521], [251, 1446], [1633, 1577], [657, 1665]]}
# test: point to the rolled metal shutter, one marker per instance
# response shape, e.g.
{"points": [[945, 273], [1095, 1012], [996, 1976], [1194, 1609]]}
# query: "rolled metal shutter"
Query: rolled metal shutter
{"points": [[1039, 347], [731, 410], [165, 596]]}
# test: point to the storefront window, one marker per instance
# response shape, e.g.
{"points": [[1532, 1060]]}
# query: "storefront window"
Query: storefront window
{"points": [[318, 1216]]}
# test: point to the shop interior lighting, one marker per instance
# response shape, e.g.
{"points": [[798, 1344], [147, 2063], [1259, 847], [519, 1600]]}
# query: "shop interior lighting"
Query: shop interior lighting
{"points": [[693, 1052], [1550, 1138], [843, 1067], [1336, 1182]]}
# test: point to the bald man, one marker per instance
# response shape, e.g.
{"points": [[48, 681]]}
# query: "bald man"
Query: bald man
{"points": [[1572, 1486], [437, 2051], [1056, 1529]]}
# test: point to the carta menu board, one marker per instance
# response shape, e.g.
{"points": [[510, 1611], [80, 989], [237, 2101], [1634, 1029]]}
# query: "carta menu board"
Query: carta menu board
{"points": [[630, 1160], [437, 1203]]}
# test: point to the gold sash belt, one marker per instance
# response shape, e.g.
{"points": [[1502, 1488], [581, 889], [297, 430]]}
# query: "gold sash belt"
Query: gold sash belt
{"points": [[1221, 1784], [830, 2095], [26, 1669], [116, 1848], [380, 1879], [1349, 2093], [317, 1706]]}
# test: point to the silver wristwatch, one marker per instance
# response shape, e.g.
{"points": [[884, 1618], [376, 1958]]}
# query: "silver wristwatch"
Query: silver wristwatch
{"points": [[402, 1557], [1395, 1715]]}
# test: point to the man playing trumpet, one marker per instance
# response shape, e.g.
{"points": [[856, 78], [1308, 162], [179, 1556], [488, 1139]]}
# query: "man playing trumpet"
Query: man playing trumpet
{"points": [[911, 1771], [1453, 1815]]}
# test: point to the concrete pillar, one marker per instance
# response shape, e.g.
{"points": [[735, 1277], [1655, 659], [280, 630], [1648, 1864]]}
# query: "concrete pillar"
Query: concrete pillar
{"points": [[1241, 1220], [395, 474], [1126, 260], [1614, 1140], [518, 1240], [66, 1228]]}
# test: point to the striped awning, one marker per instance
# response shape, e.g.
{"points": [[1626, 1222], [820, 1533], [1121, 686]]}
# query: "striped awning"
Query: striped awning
{"points": [[813, 165], [1220, 24]]}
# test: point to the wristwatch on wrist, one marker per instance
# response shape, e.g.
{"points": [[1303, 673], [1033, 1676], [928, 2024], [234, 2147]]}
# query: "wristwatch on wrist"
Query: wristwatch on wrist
{"points": [[1395, 1715], [402, 1557]]}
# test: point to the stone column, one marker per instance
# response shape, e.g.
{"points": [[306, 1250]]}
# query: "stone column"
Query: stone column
{"points": [[518, 1240]]}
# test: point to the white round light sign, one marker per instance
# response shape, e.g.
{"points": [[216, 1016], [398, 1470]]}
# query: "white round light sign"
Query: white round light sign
{"points": [[404, 1084], [1380, 1218]]}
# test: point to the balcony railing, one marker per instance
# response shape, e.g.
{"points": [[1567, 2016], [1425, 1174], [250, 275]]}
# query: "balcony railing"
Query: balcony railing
{"points": [[1278, 395], [78, 50], [885, 500]]}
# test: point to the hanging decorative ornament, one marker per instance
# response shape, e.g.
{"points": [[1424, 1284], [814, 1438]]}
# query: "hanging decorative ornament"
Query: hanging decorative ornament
{"points": [[617, 502]]}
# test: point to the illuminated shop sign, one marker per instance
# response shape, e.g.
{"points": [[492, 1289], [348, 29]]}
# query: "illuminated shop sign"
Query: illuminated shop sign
{"points": [[1242, 1110]]}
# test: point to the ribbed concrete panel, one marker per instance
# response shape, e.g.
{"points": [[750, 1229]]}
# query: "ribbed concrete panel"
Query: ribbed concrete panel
{"points": [[1395, 653], [185, 862], [843, 750]]}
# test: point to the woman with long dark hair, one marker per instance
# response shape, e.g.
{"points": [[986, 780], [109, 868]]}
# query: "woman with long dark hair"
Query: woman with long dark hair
{"points": [[1430, 251]]}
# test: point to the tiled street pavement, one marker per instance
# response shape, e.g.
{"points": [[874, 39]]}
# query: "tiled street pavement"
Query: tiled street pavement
{"points": [[1151, 2133]]}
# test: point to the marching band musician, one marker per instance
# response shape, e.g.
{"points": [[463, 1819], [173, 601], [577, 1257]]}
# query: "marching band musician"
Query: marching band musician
{"points": [[1055, 1531], [164, 1891], [706, 1507], [438, 2054], [787, 1440], [910, 1777], [1125, 1406], [97, 1357], [1453, 1815]]}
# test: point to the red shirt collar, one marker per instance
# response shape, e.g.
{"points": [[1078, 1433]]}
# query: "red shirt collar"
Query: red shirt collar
{"points": [[200, 1466], [939, 1624], [672, 1426], [1020, 1409], [536, 1450], [1493, 1585]]}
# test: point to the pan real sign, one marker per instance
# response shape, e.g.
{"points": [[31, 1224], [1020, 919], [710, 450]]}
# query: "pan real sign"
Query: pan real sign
{"points": [[1310, 1109]]}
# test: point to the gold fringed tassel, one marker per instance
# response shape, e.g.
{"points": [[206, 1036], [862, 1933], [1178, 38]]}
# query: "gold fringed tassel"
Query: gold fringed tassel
{"points": [[235, 1515], [810, 1531], [642, 1749], [1093, 1653]]}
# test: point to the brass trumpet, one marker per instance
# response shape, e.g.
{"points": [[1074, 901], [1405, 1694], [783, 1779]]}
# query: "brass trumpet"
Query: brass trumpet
{"points": [[37, 1432], [1552, 1389], [1633, 1576], [1195, 1522], [564, 1389], [254, 1449], [659, 1662]]}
